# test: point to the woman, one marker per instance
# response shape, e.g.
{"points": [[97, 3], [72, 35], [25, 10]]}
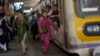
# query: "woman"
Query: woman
{"points": [[22, 30], [44, 20]]}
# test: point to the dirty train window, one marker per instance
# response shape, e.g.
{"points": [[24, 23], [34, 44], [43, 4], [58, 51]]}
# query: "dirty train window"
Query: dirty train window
{"points": [[89, 5]]}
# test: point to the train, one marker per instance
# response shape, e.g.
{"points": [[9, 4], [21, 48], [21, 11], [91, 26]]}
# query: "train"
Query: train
{"points": [[80, 25]]}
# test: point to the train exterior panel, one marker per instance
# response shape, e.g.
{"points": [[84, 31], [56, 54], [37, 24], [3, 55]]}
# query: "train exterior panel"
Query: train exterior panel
{"points": [[78, 40]]}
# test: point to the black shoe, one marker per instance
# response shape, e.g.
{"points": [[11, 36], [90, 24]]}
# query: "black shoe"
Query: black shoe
{"points": [[4, 51], [8, 49]]}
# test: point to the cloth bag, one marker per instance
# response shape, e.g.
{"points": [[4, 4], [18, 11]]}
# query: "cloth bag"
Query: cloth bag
{"points": [[43, 28]]}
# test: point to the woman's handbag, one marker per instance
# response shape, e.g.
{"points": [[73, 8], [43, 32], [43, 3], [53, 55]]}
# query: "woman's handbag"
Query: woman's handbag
{"points": [[43, 29]]}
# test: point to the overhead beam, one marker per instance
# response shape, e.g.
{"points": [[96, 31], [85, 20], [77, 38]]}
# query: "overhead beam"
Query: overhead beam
{"points": [[26, 0]]}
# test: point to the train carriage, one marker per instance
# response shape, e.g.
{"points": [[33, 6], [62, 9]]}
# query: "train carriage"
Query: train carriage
{"points": [[80, 26]]}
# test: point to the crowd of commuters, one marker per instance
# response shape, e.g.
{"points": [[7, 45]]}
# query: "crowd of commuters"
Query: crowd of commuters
{"points": [[20, 25]]}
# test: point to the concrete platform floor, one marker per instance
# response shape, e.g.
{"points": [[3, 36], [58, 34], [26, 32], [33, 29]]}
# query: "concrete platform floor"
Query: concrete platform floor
{"points": [[34, 49]]}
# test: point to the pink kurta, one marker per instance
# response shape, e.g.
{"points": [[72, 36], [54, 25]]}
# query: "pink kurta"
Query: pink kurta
{"points": [[45, 36]]}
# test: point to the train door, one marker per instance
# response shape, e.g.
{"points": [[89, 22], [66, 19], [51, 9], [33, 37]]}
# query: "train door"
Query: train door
{"points": [[60, 39], [63, 36], [63, 28]]}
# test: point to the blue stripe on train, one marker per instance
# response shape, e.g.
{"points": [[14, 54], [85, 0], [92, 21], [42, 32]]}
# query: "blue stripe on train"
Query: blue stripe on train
{"points": [[85, 46]]}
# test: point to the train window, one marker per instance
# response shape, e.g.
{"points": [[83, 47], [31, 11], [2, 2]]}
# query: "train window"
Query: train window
{"points": [[87, 7]]}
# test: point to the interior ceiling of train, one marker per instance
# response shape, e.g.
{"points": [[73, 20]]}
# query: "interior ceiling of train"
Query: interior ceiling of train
{"points": [[28, 3]]}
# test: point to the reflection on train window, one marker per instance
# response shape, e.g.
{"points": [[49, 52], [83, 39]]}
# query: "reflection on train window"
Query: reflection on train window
{"points": [[89, 5]]}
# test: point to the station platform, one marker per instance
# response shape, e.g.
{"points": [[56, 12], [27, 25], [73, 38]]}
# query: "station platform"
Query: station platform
{"points": [[34, 49]]}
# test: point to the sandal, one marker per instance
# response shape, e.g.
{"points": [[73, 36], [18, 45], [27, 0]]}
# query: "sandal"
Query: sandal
{"points": [[23, 54]]}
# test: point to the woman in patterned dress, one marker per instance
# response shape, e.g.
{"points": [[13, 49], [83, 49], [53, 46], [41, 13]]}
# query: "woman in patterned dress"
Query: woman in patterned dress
{"points": [[44, 20], [22, 30]]}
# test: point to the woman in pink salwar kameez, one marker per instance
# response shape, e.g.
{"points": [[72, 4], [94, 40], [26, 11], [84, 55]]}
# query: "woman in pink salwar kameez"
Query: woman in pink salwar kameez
{"points": [[44, 20]]}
